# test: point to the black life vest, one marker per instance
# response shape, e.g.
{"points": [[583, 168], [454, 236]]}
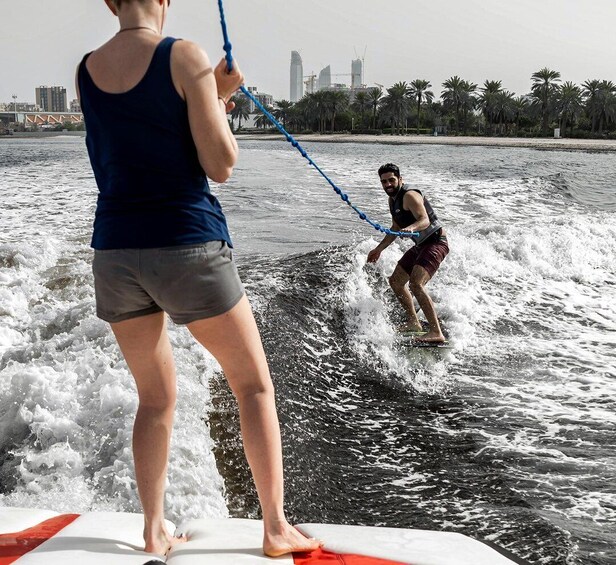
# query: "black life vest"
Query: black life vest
{"points": [[404, 218]]}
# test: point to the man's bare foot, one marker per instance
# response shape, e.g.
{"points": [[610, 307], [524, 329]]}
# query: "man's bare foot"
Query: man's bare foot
{"points": [[431, 337], [162, 544], [410, 328], [284, 538]]}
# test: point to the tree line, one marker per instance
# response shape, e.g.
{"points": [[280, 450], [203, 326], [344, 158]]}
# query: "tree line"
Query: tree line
{"points": [[464, 108]]}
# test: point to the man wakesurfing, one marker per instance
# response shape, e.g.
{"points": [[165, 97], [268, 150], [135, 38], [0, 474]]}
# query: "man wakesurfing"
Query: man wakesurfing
{"points": [[411, 212]]}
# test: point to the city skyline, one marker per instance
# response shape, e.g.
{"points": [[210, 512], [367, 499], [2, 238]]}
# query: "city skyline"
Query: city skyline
{"points": [[478, 42]]}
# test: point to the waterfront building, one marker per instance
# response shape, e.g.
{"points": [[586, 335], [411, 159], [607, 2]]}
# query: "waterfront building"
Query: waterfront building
{"points": [[325, 78], [51, 98], [297, 77], [266, 99]]}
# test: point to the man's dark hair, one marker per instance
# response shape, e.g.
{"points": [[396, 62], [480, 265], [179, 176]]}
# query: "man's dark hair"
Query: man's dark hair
{"points": [[389, 168]]}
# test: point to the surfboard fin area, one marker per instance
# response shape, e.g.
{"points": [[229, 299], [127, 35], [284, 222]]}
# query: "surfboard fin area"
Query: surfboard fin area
{"points": [[37, 537]]}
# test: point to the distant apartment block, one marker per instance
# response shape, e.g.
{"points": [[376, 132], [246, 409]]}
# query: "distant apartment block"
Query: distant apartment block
{"points": [[51, 98], [75, 106], [297, 77], [266, 99]]}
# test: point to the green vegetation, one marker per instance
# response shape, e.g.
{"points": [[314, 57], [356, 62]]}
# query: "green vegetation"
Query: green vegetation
{"points": [[464, 108]]}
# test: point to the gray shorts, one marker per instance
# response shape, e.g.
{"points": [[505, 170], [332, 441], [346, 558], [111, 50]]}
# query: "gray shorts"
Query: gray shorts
{"points": [[189, 282]]}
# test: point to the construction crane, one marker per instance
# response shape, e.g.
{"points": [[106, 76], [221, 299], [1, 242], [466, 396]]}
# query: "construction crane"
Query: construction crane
{"points": [[363, 63], [310, 83]]}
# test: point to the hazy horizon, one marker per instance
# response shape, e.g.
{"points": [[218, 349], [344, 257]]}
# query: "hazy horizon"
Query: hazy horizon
{"points": [[401, 40]]}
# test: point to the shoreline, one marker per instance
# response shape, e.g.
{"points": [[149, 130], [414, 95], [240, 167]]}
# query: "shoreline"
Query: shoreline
{"points": [[42, 134], [562, 144]]}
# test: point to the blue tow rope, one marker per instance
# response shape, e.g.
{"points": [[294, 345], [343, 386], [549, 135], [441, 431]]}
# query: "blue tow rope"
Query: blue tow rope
{"points": [[345, 197]]}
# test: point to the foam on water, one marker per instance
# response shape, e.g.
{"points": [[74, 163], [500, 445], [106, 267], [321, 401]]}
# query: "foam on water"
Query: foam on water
{"points": [[528, 295], [369, 316], [67, 400], [509, 436]]}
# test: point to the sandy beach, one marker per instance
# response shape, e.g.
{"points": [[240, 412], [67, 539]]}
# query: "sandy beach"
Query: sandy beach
{"points": [[562, 144]]}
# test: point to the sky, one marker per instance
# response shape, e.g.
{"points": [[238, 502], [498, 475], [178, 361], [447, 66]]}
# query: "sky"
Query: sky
{"points": [[400, 40]]}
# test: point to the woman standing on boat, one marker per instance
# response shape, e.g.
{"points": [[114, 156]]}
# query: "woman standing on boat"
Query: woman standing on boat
{"points": [[155, 111]]}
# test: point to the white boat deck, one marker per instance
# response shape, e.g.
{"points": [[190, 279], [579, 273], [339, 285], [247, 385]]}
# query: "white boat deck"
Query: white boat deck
{"points": [[115, 538]]}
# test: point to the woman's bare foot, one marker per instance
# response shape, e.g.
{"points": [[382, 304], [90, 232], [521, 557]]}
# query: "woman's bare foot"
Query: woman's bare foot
{"points": [[163, 543], [282, 538]]}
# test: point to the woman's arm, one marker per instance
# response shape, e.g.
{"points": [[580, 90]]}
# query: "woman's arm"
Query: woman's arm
{"points": [[207, 93]]}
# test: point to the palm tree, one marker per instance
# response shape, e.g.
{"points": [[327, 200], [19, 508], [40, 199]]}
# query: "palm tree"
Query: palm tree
{"points": [[305, 112], [360, 105], [608, 103], [337, 101], [520, 104], [592, 93], [281, 111], [262, 121], [434, 113], [543, 90], [600, 103], [419, 91], [488, 101], [396, 104], [241, 110], [505, 109], [316, 107], [452, 96], [295, 118], [568, 103], [468, 101], [374, 97]]}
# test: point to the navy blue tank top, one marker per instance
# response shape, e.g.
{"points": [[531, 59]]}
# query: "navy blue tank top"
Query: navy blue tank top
{"points": [[152, 189]]}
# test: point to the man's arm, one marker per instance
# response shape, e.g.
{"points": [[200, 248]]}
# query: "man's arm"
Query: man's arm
{"points": [[374, 255], [414, 203]]}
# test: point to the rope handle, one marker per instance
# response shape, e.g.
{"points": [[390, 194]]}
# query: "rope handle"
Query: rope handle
{"points": [[345, 197]]}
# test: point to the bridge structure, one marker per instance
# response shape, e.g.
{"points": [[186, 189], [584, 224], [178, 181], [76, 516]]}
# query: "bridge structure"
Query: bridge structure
{"points": [[40, 119]]}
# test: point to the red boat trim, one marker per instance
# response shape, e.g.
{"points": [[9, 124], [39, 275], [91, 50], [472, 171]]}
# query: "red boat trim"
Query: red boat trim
{"points": [[13, 546], [322, 557]]}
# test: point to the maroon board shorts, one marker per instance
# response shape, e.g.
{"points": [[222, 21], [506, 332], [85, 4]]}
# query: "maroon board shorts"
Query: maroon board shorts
{"points": [[428, 255]]}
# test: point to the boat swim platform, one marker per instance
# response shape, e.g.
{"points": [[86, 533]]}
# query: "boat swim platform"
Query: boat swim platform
{"points": [[41, 537]]}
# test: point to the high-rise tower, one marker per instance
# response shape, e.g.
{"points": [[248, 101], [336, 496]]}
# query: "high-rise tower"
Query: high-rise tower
{"points": [[297, 77], [325, 78], [356, 73]]}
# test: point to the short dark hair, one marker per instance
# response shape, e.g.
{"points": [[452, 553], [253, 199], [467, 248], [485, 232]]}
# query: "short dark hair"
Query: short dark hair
{"points": [[389, 168]]}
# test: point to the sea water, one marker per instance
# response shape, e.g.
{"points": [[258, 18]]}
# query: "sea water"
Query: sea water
{"points": [[508, 437]]}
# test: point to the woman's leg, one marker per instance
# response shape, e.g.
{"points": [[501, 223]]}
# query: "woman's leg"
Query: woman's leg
{"points": [[146, 348], [233, 339]]}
